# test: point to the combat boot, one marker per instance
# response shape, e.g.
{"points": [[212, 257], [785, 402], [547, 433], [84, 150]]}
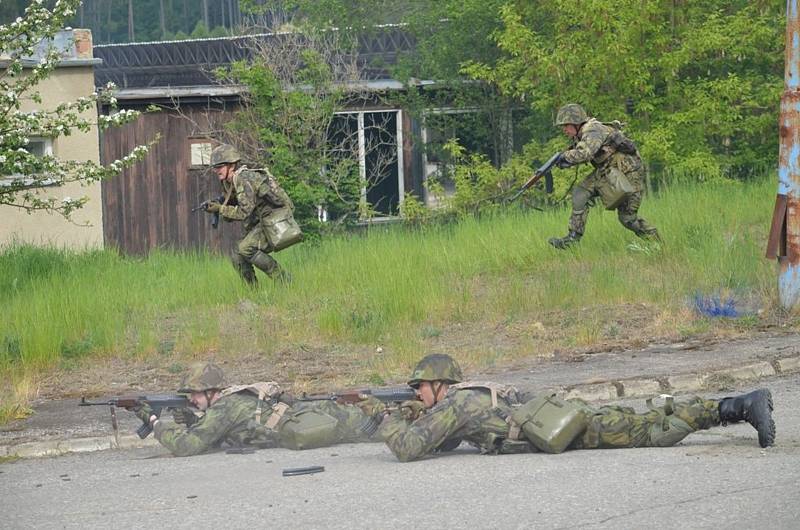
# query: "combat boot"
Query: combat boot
{"points": [[756, 409], [270, 267], [564, 242], [651, 234]]}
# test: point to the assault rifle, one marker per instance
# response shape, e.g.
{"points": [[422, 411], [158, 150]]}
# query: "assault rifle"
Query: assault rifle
{"points": [[349, 397], [545, 169], [215, 215], [156, 402], [396, 394]]}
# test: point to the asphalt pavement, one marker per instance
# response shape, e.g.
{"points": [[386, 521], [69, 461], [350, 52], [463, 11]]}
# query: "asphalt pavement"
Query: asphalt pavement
{"points": [[718, 478]]}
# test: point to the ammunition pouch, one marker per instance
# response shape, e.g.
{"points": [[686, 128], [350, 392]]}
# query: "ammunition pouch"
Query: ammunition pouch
{"points": [[307, 429], [550, 423], [614, 188], [281, 230]]}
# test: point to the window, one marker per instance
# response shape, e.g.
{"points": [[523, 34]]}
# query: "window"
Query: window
{"points": [[38, 146], [200, 151]]}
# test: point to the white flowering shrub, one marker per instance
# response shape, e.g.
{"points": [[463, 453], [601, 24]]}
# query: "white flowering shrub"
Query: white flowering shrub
{"points": [[22, 173]]}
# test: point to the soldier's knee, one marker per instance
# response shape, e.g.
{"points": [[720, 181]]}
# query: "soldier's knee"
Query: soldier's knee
{"points": [[580, 198], [246, 250], [669, 432]]}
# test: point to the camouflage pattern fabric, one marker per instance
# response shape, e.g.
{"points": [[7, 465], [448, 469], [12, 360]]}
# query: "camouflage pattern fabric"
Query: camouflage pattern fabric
{"points": [[469, 415], [464, 414], [593, 146], [231, 420], [616, 427], [257, 196]]}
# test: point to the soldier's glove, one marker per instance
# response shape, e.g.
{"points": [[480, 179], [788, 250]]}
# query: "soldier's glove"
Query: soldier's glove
{"points": [[143, 412], [372, 406], [184, 416], [213, 207], [410, 410], [562, 163]]}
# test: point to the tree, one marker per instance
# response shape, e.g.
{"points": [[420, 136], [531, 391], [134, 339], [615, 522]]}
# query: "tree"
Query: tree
{"points": [[27, 174], [298, 81], [698, 82]]}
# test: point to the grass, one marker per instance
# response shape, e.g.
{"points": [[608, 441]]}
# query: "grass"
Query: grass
{"points": [[487, 289]]}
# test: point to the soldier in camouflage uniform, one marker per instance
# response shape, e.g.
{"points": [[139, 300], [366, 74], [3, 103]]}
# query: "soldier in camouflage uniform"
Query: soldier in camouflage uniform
{"points": [[237, 417], [257, 195], [607, 149], [466, 411]]}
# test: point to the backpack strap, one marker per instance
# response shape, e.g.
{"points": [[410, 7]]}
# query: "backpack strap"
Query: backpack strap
{"points": [[507, 392], [264, 390]]}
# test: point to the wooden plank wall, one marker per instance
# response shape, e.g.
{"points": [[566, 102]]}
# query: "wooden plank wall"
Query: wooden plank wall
{"points": [[149, 205]]}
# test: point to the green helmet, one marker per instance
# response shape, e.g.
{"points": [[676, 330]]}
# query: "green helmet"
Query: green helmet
{"points": [[436, 367], [570, 114], [224, 154], [202, 377]]}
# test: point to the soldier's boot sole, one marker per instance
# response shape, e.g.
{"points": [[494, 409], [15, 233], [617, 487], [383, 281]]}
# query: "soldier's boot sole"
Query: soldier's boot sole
{"points": [[759, 415]]}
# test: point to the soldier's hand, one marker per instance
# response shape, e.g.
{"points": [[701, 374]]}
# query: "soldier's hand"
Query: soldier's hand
{"points": [[143, 412], [562, 163], [184, 416], [213, 207], [372, 406], [411, 409]]}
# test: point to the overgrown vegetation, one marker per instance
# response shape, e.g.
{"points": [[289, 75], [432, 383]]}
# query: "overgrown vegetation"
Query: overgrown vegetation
{"points": [[488, 289]]}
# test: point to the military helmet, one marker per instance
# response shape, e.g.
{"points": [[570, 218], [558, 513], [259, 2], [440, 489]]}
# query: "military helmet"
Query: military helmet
{"points": [[202, 377], [571, 114], [436, 367], [224, 154]]}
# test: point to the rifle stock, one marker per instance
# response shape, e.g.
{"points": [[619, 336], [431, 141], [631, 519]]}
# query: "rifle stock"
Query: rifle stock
{"points": [[387, 395], [543, 170]]}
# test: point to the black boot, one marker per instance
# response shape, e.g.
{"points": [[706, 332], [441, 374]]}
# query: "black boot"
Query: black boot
{"points": [[563, 242], [756, 409]]}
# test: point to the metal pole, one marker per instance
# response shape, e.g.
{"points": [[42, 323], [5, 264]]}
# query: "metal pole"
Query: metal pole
{"points": [[785, 234]]}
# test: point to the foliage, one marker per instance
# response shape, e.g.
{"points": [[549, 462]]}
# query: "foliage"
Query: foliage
{"points": [[700, 81], [29, 63], [404, 289], [288, 123]]}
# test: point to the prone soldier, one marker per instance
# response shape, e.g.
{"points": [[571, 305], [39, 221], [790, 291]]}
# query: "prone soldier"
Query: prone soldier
{"points": [[258, 415], [499, 419]]}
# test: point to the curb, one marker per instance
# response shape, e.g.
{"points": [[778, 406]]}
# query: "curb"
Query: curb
{"points": [[595, 391], [649, 387], [73, 445]]}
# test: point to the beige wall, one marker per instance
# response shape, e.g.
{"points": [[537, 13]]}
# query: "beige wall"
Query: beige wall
{"points": [[65, 84]]}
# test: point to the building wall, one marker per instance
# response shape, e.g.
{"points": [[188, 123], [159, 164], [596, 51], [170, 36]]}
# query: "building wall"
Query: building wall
{"points": [[65, 84], [149, 205]]}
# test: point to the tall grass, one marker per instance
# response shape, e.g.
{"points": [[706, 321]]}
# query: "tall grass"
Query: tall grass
{"points": [[401, 288]]}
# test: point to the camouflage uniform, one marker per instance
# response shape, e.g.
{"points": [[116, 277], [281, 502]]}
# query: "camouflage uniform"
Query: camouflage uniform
{"points": [[231, 420], [468, 414], [591, 146], [477, 413], [257, 196], [239, 417], [595, 144]]}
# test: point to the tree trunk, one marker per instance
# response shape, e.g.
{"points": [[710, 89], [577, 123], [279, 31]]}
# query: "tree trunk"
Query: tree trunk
{"points": [[205, 14], [131, 31], [162, 19], [108, 22]]}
